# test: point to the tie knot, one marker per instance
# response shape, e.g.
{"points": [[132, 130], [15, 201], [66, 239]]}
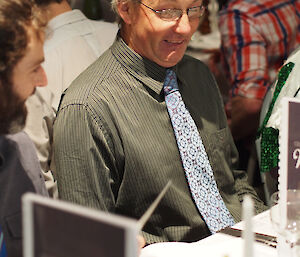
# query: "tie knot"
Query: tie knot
{"points": [[170, 84]]}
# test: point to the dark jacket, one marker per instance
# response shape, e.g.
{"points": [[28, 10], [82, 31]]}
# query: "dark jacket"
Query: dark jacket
{"points": [[19, 173]]}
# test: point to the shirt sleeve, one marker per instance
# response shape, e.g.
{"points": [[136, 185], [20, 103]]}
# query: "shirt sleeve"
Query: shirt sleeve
{"points": [[244, 52], [241, 184], [85, 163], [38, 123]]}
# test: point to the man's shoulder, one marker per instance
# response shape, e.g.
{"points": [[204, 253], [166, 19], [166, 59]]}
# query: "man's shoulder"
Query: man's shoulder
{"points": [[104, 26], [7, 145], [18, 146], [192, 66], [197, 75], [17, 141], [20, 164], [74, 25], [83, 89]]}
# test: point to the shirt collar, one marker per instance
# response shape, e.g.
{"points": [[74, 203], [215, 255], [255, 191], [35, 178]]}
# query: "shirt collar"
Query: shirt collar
{"points": [[63, 19], [148, 72]]}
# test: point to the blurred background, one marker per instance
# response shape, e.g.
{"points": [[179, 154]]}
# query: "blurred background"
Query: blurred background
{"points": [[95, 9]]}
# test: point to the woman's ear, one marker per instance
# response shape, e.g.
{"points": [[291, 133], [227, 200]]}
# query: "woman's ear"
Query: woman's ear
{"points": [[124, 8]]}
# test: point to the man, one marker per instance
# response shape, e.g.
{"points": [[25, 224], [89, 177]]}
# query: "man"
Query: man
{"points": [[72, 43], [257, 36], [114, 143], [21, 44]]}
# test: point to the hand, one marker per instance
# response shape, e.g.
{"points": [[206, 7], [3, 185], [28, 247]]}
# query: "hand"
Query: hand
{"points": [[141, 243], [244, 118]]}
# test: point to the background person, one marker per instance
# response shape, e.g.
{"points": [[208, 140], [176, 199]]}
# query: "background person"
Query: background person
{"points": [[72, 43], [21, 44], [257, 37]]}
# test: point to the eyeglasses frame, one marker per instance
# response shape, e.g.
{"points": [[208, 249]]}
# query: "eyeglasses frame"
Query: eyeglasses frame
{"points": [[158, 12]]}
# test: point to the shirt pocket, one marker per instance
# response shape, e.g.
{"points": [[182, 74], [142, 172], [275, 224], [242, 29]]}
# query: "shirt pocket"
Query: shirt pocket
{"points": [[218, 148]]}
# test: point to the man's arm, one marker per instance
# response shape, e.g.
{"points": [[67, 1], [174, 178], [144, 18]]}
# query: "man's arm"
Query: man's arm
{"points": [[84, 159], [244, 116], [244, 51], [243, 188]]}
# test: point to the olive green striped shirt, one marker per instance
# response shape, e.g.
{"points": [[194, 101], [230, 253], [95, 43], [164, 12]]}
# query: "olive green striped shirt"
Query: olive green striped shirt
{"points": [[115, 149]]}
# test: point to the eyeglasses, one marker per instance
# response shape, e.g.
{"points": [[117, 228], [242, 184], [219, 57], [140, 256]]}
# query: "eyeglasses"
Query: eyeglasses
{"points": [[175, 14]]}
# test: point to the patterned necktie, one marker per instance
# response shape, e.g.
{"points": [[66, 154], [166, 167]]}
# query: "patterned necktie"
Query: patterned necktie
{"points": [[2, 245], [194, 159]]}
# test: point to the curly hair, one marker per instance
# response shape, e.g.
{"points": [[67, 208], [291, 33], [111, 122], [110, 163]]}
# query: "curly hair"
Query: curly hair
{"points": [[16, 16]]}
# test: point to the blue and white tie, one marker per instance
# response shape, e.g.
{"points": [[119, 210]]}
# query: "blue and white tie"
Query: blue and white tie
{"points": [[194, 159], [2, 245]]}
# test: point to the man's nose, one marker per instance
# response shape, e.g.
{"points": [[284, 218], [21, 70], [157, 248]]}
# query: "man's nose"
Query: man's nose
{"points": [[183, 24], [42, 80]]}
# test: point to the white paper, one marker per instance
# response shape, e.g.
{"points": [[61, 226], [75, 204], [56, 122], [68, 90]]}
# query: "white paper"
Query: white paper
{"points": [[261, 224]]}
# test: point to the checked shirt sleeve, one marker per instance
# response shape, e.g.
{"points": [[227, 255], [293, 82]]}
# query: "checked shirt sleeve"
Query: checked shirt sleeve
{"points": [[244, 51]]}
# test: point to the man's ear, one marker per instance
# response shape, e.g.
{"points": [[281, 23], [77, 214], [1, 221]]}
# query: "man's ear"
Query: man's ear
{"points": [[125, 8]]}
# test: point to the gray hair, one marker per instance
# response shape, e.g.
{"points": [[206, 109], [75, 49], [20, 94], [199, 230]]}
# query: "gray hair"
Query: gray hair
{"points": [[114, 6]]}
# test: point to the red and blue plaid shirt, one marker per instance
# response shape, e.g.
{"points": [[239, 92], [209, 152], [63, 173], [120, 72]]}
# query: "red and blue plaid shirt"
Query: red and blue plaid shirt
{"points": [[257, 36]]}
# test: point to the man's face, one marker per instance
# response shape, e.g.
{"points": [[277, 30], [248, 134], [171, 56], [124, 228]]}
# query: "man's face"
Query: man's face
{"points": [[163, 42], [28, 72]]}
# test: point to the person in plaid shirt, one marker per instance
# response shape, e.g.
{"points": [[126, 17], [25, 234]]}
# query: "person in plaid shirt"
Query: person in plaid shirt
{"points": [[257, 36]]}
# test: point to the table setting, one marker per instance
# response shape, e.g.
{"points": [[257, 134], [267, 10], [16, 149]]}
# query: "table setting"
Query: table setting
{"points": [[273, 233], [229, 243]]}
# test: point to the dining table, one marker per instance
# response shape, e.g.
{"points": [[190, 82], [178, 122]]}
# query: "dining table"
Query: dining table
{"points": [[227, 243]]}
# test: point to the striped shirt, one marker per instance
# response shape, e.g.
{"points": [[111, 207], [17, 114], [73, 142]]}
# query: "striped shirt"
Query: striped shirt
{"points": [[257, 37], [115, 149]]}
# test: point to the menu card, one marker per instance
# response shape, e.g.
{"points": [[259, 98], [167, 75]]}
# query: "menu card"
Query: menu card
{"points": [[289, 149], [289, 145]]}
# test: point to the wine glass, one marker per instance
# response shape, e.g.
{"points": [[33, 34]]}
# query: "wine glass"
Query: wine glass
{"points": [[285, 218]]}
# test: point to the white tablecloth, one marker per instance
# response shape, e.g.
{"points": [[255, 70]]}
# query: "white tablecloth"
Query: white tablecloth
{"points": [[218, 245]]}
